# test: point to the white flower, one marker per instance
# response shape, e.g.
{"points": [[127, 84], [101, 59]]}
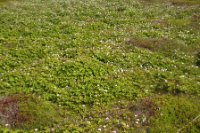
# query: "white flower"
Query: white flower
{"points": [[144, 119], [137, 121], [99, 129], [107, 118], [6, 125]]}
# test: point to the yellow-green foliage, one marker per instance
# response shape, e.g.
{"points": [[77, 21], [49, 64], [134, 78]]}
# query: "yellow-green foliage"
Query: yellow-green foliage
{"points": [[176, 113], [24, 111], [85, 56], [176, 2]]}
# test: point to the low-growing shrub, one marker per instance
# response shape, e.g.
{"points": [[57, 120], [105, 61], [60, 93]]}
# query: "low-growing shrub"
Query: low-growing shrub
{"points": [[26, 112]]}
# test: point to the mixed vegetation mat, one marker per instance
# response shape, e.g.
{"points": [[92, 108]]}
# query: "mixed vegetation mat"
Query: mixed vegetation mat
{"points": [[100, 66]]}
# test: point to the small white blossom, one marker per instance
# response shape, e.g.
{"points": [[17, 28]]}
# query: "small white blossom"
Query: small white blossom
{"points": [[6, 125], [144, 119], [99, 129], [107, 118]]}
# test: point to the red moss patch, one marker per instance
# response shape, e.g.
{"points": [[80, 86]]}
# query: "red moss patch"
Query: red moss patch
{"points": [[9, 112], [150, 44], [27, 111], [129, 115]]}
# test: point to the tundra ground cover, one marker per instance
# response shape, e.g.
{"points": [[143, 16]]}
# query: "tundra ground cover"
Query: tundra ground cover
{"points": [[100, 65]]}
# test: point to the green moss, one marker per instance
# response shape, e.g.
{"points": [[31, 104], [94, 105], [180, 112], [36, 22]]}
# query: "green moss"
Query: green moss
{"points": [[176, 113], [27, 112]]}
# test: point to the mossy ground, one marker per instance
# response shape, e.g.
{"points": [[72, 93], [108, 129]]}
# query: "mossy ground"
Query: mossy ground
{"points": [[103, 65], [27, 111]]}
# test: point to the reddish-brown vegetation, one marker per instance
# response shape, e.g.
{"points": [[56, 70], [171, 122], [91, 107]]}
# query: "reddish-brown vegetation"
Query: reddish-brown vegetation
{"points": [[10, 114]]}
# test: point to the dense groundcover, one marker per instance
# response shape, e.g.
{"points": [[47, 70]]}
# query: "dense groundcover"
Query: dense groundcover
{"points": [[100, 66]]}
